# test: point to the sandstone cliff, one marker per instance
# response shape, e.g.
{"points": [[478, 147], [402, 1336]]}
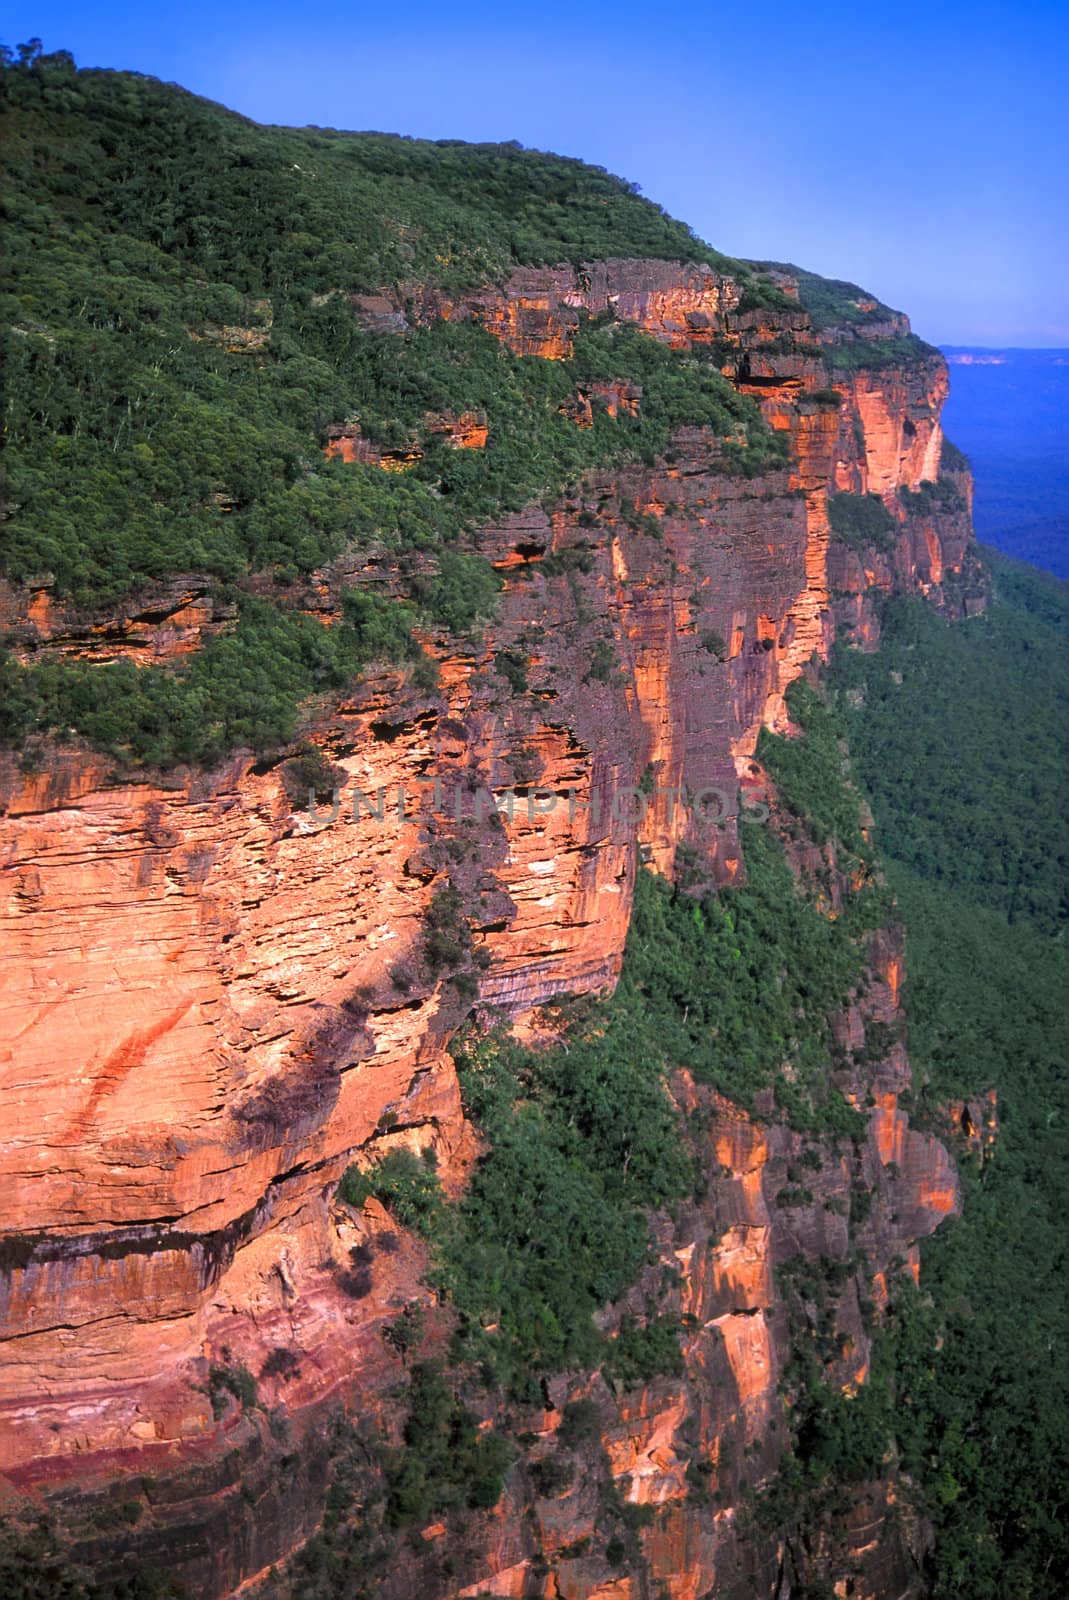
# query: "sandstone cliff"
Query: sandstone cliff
{"points": [[212, 1005]]}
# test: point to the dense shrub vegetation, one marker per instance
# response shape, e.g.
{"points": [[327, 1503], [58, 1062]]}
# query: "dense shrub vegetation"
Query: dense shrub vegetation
{"points": [[444, 1463], [833, 302], [380, 209], [582, 1136], [859, 320], [179, 337], [242, 688], [860, 520], [959, 736], [932, 495], [401, 1181], [179, 334], [738, 984]]}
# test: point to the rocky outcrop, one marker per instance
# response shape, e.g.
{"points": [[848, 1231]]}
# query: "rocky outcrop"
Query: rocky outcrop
{"points": [[172, 619], [212, 1001], [539, 310], [975, 1123], [467, 430]]}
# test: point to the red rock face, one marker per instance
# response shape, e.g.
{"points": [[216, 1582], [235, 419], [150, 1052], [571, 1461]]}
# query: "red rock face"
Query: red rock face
{"points": [[975, 1123], [538, 312], [209, 1004], [170, 620], [468, 431], [345, 442], [715, 1271]]}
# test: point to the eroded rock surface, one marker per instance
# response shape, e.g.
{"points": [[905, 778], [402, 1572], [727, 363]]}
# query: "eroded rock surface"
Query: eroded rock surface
{"points": [[210, 1004]]}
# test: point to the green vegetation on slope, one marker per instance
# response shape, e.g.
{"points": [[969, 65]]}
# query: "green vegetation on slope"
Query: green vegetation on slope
{"points": [[833, 302], [307, 209], [737, 985], [857, 320], [443, 1463], [861, 519], [179, 335], [147, 225], [242, 689], [982, 1380], [958, 734], [583, 1139]]}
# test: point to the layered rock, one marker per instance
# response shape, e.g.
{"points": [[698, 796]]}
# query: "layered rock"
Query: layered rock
{"points": [[690, 1449], [212, 1001], [172, 619], [539, 310]]}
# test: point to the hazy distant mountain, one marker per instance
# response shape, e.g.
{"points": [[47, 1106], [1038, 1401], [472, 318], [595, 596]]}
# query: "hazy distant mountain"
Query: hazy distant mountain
{"points": [[1009, 412]]}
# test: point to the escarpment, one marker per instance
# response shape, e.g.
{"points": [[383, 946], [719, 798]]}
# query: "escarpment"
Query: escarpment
{"points": [[215, 1001]]}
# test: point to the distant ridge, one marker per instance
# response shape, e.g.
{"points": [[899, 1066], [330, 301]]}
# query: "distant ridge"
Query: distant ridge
{"points": [[1009, 411]]}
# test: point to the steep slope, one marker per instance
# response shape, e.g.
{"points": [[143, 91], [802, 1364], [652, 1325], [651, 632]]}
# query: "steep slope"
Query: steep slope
{"points": [[975, 841], [599, 512]]}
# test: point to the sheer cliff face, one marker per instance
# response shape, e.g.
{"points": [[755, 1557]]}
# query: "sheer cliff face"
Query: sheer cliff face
{"points": [[211, 1004]]}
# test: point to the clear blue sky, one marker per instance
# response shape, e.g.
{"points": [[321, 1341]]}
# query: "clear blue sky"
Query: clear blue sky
{"points": [[919, 149]]}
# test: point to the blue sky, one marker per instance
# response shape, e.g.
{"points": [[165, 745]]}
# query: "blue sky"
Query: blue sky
{"points": [[920, 150]]}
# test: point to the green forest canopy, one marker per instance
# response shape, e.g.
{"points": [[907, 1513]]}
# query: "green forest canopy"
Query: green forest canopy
{"points": [[959, 735], [144, 436], [178, 336]]}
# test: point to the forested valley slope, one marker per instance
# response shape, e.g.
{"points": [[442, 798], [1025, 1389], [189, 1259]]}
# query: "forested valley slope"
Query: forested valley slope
{"points": [[534, 870]]}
